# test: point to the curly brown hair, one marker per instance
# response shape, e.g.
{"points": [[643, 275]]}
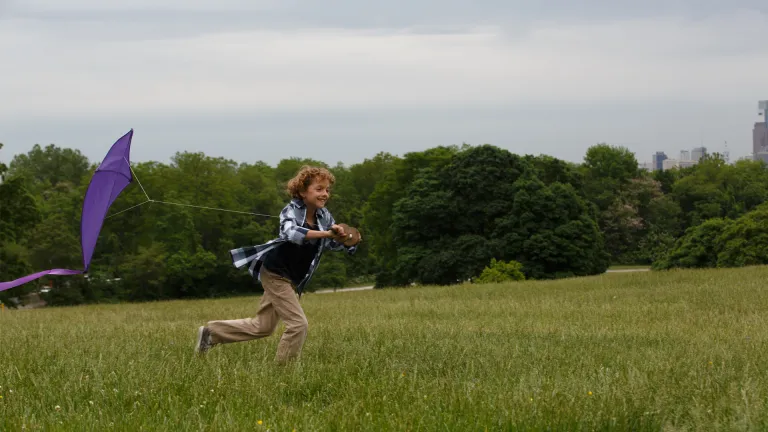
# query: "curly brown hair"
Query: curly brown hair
{"points": [[301, 181]]}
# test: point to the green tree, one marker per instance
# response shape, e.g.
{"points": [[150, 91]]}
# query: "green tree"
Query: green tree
{"points": [[18, 215], [332, 273], [365, 176], [714, 189], [209, 182], [551, 231], [187, 274], [44, 168], [550, 170], [3, 167], [14, 263], [666, 178], [639, 209], [607, 170], [144, 274], [449, 210], [698, 248], [489, 203], [744, 242], [377, 223], [610, 174], [259, 193], [19, 211]]}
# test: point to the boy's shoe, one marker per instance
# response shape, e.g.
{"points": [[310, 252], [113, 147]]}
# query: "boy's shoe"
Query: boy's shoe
{"points": [[203, 340]]}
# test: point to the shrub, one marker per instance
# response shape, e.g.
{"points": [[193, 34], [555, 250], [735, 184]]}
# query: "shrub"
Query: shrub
{"points": [[501, 271]]}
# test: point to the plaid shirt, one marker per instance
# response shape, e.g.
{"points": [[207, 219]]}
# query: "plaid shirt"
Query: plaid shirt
{"points": [[292, 219]]}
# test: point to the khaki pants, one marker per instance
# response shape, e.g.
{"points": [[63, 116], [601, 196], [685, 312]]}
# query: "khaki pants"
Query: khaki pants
{"points": [[279, 301]]}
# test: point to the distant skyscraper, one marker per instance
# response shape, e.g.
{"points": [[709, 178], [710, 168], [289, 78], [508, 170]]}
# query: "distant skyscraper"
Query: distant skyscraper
{"points": [[760, 133], [759, 139], [658, 161], [698, 153], [685, 155]]}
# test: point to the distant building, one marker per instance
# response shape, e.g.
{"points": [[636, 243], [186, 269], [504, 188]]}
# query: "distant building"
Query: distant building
{"points": [[647, 166], [674, 163], [759, 139], [698, 153], [761, 156], [669, 164], [685, 155], [658, 161]]}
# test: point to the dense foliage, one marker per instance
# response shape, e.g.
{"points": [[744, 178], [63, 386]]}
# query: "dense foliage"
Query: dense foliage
{"points": [[500, 271], [438, 216]]}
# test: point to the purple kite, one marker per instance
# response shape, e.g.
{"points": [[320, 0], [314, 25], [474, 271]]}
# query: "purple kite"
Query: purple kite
{"points": [[109, 180]]}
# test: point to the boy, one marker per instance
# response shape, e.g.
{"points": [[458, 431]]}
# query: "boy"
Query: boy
{"points": [[283, 265]]}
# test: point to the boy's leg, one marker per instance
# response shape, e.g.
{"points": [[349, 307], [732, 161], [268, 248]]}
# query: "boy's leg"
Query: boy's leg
{"points": [[286, 303], [238, 330]]}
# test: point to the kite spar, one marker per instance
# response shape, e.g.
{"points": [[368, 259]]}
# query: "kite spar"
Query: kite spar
{"points": [[111, 177]]}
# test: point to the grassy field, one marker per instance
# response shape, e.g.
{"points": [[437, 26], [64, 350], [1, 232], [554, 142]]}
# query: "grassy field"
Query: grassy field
{"points": [[629, 267], [627, 351]]}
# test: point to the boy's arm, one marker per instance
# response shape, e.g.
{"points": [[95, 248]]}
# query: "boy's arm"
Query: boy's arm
{"points": [[293, 232], [289, 226]]}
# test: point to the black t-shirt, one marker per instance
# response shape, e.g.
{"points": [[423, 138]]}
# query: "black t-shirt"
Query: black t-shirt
{"points": [[291, 260]]}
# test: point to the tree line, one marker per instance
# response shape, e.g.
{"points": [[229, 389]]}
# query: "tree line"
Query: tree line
{"points": [[444, 215]]}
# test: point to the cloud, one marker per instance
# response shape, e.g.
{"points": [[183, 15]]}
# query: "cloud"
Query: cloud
{"points": [[123, 5], [80, 70], [392, 13]]}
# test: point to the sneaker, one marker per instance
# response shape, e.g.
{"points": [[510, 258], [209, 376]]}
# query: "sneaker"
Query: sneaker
{"points": [[203, 340]]}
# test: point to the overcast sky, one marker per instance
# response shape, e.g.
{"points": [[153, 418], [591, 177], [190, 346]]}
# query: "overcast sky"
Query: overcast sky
{"points": [[342, 80]]}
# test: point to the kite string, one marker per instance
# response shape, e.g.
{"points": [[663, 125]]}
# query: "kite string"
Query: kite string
{"points": [[137, 179], [150, 200], [211, 208], [129, 208]]}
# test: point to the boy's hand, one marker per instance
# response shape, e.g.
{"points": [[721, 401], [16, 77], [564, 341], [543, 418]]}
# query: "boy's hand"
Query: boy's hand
{"points": [[346, 235], [340, 234]]}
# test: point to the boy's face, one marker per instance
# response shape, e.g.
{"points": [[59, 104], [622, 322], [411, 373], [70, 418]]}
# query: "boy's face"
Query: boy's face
{"points": [[317, 193]]}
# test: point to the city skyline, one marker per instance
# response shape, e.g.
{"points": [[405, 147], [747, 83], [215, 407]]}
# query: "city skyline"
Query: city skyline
{"points": [[759, 146]]}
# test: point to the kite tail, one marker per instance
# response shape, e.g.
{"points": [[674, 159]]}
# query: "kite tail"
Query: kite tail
{"points": [[7, 285]]}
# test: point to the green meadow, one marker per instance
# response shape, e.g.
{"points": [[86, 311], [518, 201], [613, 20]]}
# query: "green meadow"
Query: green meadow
{"points": [[676, 351]]}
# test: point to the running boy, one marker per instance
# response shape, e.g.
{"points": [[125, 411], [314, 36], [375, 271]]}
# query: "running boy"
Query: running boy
{"points": [[284, 266]]}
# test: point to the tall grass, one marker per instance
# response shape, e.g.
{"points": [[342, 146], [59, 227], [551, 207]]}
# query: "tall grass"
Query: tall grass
{"points": [[627, 351]]}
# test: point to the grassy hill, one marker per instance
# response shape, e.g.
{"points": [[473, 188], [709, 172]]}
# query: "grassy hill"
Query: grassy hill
{"points": [[678, 351]]}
